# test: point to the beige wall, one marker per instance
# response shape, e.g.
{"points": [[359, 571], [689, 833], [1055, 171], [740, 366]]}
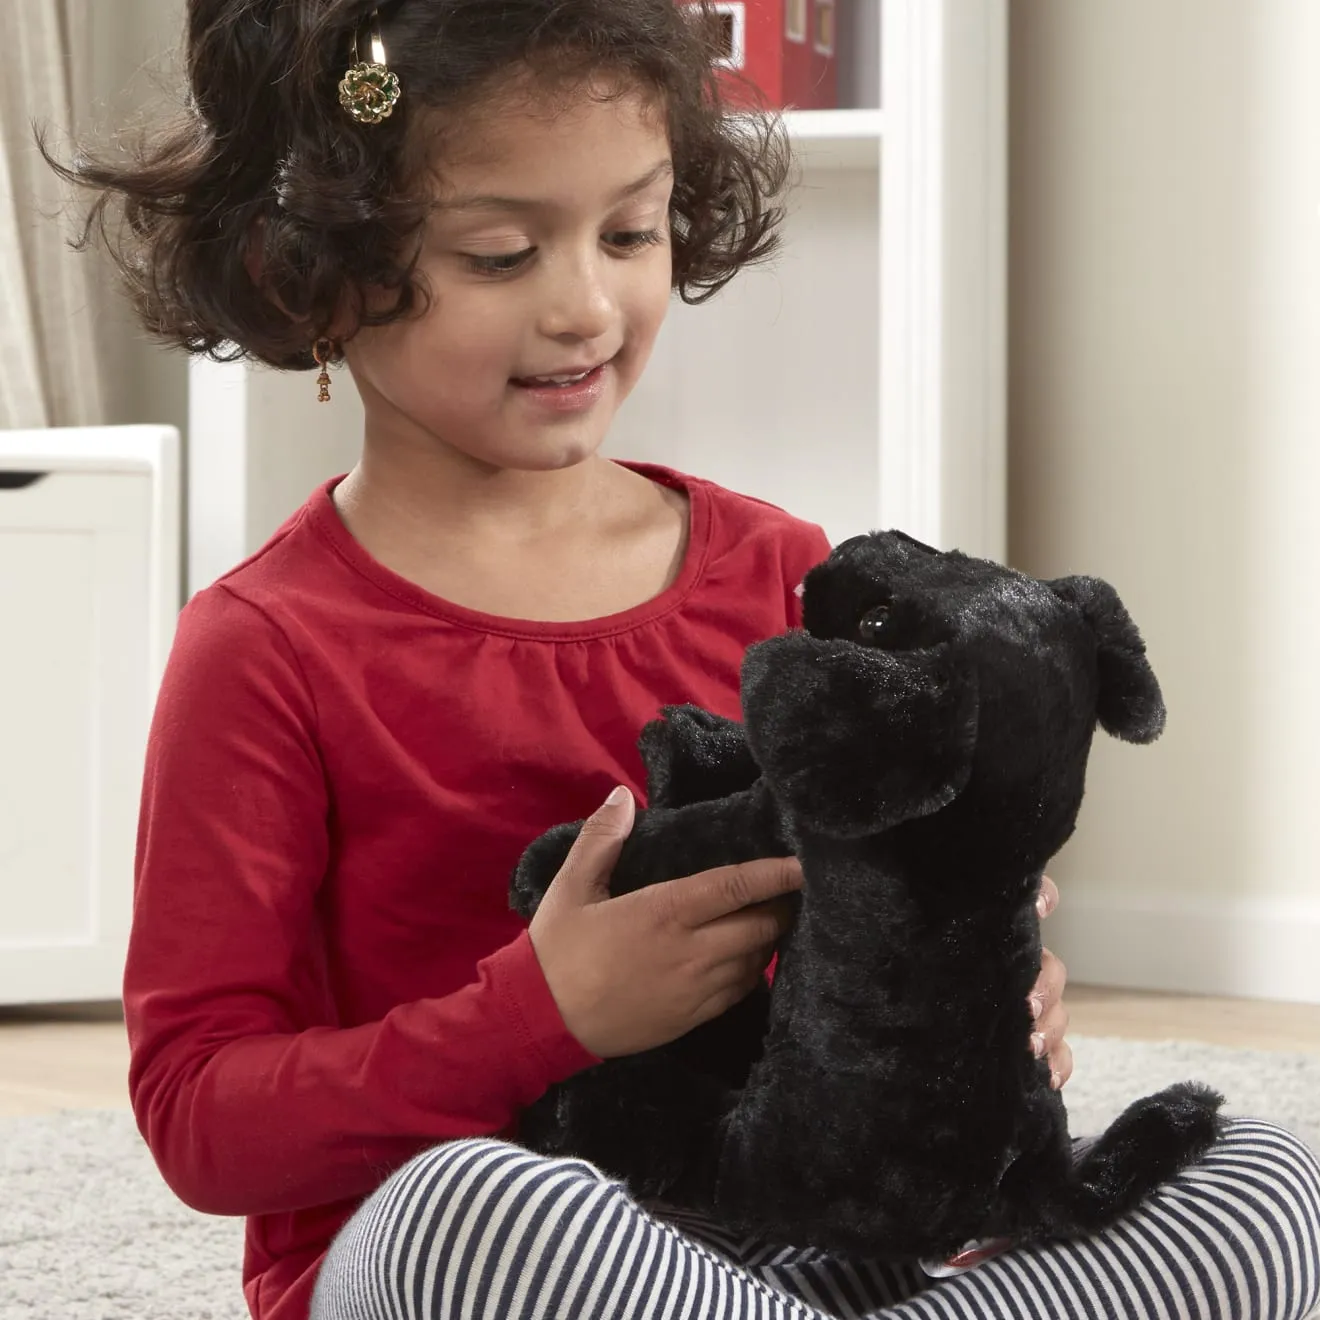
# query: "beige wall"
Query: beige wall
{"points": [[1165, 434]]}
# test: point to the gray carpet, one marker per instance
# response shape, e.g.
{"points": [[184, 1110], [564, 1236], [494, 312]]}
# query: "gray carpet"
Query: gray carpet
{"points": [[89, 1232]]}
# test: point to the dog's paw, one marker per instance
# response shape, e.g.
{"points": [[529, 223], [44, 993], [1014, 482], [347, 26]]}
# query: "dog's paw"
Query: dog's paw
{"points": [[693, 755], [539, 865]]}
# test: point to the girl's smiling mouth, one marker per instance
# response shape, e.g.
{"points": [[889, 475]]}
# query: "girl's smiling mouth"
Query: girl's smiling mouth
{"points": [[565, 391]]}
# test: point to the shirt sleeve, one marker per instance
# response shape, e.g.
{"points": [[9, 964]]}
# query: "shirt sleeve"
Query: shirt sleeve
{"points": [[251, 1096]]}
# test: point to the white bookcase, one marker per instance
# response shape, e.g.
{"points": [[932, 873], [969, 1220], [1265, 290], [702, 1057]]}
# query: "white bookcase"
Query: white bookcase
{"points": [[858, 380]]}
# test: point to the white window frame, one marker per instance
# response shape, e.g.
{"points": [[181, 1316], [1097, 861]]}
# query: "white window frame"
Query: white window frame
{"points": [[738, 10], [820, 47], [797, 21]]}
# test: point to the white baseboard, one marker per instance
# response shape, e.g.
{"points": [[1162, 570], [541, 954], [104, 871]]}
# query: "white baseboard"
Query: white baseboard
{"points": [[1237, 948]]}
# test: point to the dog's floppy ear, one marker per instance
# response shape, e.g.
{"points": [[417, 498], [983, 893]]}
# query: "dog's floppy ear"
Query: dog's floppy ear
{"points": [[1130, 705]]}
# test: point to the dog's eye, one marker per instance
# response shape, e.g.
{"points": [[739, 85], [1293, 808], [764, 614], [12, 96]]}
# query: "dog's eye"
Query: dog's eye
{"points": [[872, 625]]}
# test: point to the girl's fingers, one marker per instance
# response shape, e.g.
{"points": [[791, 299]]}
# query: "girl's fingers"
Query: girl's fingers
{"points": [[1053, 1025], [1061, 1064], [705, 898], [1051, 1019], [1048, 898], [1048, 989]]}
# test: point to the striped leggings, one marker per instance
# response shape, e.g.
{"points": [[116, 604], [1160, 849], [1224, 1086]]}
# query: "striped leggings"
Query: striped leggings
{"points": [[482, 1230]]}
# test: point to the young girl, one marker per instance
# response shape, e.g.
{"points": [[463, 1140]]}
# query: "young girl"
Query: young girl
{"points": [[334, 1016]]}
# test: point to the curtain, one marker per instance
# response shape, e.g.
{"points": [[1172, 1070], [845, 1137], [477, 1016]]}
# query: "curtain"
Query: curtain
{"points": [[49, 372]]}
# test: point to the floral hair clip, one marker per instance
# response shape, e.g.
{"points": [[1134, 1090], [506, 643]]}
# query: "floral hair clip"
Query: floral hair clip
{"points": [[369, 91]]}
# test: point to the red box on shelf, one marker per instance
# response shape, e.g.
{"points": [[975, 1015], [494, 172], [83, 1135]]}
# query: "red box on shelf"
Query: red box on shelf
{"points": [[787, 48]]}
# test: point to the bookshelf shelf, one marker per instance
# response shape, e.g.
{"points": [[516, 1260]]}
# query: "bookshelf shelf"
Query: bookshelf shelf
{"points": [[837, 139]]}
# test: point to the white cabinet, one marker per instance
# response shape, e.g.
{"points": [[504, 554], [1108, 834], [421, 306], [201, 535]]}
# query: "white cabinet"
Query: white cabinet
{"points": [[89, 589], [858, 380]]}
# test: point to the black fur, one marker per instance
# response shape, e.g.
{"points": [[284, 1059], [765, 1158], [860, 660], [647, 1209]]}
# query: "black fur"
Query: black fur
{"points": [[922, 747]]}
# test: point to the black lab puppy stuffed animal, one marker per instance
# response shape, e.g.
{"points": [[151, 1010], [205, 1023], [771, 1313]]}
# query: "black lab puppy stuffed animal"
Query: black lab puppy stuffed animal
{"points": [[921, 746]]}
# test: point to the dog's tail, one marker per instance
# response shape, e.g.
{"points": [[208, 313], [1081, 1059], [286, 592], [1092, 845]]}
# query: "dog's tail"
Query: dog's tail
{"points": [[1150, 1142]]}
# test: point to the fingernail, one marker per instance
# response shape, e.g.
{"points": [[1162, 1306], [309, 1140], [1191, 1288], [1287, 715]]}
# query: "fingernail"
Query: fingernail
{"points": [[1055, 1081], [1037, 1006], [1038, 1045], [1042, 907], [618, 796]]}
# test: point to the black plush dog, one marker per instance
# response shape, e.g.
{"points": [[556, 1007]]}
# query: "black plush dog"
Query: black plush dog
{"points": [[921, 746]]}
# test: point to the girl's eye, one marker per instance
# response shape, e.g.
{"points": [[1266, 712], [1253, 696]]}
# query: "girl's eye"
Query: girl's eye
{"points": [[505, 263], [872, 625], [502, 264], [630, 240]]}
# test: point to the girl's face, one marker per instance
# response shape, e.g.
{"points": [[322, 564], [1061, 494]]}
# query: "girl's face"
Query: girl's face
{"points": [[547, 257]]}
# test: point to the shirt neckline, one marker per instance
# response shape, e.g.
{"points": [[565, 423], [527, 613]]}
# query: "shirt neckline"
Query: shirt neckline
{"points": [[326, 521]]}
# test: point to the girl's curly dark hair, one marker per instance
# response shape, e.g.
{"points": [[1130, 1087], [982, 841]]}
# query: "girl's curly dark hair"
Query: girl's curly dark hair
{"points": [[265, 154]]}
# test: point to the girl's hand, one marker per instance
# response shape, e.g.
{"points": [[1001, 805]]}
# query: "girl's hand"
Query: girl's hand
{"points": [[637, 971], [1046, 1001]]}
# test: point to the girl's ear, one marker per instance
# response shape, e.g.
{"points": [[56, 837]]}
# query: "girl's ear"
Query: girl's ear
{"points": [[1130, 705], [253, 260]]}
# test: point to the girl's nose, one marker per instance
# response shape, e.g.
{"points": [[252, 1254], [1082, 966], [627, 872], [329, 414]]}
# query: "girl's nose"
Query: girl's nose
{"points": [[579, 303]]}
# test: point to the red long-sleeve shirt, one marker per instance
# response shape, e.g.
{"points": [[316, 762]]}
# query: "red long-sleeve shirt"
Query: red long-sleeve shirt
{"points": [[324, 975]]}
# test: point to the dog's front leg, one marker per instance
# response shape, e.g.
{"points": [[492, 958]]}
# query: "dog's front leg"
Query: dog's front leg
{"points": [[652, 1118]]}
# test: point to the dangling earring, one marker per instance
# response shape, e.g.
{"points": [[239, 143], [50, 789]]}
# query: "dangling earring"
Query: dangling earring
{"points": [[325, 351]]}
